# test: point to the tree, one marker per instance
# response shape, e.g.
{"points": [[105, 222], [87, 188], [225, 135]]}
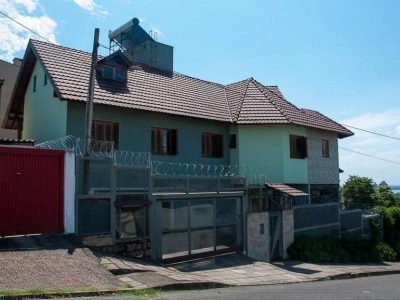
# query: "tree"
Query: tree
{"points": [[384, 196], [359, 192]]}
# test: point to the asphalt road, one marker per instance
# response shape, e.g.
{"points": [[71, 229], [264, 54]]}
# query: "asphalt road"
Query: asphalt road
{"points": [[377, 287]]}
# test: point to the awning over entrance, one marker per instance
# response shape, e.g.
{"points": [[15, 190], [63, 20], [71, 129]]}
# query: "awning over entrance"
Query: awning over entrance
{"points": [[285, 189]]}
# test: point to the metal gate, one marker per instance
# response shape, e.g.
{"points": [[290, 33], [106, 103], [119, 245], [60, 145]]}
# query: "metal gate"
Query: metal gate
{"points": [[193, 228], [31, 191], [275, 225]]}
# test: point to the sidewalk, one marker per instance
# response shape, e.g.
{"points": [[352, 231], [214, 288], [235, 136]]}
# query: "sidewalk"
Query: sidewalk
{"points": [[233, 270]]}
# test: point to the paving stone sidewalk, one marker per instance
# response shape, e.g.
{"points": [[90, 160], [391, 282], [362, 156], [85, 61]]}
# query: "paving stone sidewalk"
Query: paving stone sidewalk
{"points": [[234, 270]]}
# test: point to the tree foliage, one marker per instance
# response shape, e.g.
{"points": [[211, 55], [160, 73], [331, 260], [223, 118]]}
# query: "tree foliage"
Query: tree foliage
{"points": [[384, 196], [358, 192]]}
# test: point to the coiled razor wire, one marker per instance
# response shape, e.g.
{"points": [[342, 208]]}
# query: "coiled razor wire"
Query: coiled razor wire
{"points": [[200, 170], [134, 159], [67, 143], [143, 159]]}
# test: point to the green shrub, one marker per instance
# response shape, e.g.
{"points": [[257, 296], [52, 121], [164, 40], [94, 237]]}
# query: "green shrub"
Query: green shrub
{"points": [[391, 227], [327, 250]]}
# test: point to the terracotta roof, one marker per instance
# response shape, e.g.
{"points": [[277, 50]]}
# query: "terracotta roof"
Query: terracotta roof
{"points": [[4, 141], [283, 188], [148, 89]]}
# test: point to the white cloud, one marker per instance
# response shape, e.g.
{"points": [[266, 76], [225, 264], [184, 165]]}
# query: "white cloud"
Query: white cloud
{"points": [[14, 37], [92, 7], [385, 122], [155, 31], [375, 120]]}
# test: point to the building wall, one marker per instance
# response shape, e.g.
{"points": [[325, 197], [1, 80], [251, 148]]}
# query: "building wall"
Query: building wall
{"points": [[135, 131], [322, 170], [265, 150], [45, 116], [8, 72]]}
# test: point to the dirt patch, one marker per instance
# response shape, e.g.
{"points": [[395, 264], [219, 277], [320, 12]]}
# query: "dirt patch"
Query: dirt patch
{"points": [[53, 268]]}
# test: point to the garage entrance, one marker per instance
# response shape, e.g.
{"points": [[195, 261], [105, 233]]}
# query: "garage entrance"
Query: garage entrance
{"points": [[193, 228], [31, 191]]}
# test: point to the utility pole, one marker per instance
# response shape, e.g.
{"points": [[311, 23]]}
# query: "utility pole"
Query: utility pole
{"points": [[89, 113], [89, 102]]}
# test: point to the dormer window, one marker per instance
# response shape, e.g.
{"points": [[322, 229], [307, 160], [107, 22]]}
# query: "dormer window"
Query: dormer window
{"points": [[114, 73]]}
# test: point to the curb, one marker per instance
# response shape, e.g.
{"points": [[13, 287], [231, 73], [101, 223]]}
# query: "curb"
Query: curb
{"points": [[359, 275], [187, 286]]}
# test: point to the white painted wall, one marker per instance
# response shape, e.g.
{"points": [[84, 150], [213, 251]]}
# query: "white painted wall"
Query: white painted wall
{"points": [[69, 192]]}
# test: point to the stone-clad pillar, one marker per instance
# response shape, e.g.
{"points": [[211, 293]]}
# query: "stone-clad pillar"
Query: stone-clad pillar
{"points": [[258, 236]]}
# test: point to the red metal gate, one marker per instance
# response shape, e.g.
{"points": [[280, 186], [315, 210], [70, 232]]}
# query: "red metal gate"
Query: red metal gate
{"points": [[31, 191]]}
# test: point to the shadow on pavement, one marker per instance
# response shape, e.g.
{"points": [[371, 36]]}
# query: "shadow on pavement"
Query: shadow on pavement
{"points": [[40, 242], [213, 263]]}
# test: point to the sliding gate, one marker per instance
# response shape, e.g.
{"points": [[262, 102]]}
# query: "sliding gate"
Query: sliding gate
{"points": [[199, 227]]}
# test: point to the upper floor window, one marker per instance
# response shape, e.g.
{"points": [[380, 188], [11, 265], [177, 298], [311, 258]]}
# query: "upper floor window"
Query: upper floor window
{"points": [[113, 73], [325, 148], [106, 131], [298, 146], [45, 79], [212, 145], [163, 141]]}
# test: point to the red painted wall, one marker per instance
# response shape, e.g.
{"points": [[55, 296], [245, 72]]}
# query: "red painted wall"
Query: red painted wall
{"points": [[31, 191]]}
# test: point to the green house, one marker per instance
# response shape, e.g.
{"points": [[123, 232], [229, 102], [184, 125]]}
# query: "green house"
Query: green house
{"points": [[140, 106]]}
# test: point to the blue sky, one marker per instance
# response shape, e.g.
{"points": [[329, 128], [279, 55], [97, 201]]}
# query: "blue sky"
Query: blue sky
{"points": [[338, 57]]}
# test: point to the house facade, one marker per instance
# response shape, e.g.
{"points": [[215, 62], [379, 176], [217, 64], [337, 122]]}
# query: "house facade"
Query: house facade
{"points": [[142, 107], [8, 76]]}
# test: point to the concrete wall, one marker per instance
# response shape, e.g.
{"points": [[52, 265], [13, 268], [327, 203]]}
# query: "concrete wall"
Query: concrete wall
{"points": [[317, 220], [135, 131], [265, 150], [258, 242], [45, 116], [322, 170], [8, 73]]}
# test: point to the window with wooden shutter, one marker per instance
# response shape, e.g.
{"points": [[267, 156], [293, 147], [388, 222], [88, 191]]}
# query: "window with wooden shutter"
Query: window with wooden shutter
{"points": [[106, 131], [298, 146], [212, 145], [325, 148], [163, 141]]}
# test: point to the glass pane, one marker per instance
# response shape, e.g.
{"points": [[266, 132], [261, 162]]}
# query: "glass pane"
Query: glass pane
{"points": [[174, 244], [174, 215], [226, 237], [133, 222], [226, 211], [202, 240], [201, 213]]}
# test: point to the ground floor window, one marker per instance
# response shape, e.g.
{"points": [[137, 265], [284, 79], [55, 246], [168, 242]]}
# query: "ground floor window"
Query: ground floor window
{"points": [[106, 131]]}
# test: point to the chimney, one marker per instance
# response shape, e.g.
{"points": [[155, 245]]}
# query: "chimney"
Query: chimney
{"points": [[17, 61]]}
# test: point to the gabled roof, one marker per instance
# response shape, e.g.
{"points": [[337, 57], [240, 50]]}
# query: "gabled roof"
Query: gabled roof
{"points": [[149, 89]]}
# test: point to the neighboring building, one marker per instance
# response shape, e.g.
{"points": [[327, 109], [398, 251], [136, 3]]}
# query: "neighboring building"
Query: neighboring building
{"points": [[141, 105], [8, 76]]}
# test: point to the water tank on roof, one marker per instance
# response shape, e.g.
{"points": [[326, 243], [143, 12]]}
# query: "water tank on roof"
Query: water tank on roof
{"points": [[140, 47]]}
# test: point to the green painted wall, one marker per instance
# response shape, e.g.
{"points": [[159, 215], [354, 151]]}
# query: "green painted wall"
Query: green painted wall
{"points": [[45, 116], [265, 150], [135, 131]]}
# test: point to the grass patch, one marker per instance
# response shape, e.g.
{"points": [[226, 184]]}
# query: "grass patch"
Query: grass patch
{"points": [[148, 292], [41, 291]]}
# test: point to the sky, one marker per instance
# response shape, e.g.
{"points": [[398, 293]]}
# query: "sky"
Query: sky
{"points": [[341, 58]]}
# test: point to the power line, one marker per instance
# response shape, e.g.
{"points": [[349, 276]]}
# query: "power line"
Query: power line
{"points": [[27, 28], [372, 132], [370, 155]]}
